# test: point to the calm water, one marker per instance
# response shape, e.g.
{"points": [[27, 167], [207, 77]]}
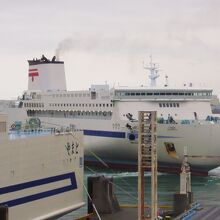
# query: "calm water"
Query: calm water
{"points": [[206, 189]]}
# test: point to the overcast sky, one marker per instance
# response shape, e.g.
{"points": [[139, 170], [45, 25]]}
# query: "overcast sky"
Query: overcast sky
{"points": [[102, 40]]}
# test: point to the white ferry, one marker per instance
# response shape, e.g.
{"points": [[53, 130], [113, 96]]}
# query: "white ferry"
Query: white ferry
{"points": [[41, 171], [108, 117]]}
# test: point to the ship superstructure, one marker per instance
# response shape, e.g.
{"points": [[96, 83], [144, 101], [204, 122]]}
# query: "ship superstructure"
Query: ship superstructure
{"points": [[108, 117]]}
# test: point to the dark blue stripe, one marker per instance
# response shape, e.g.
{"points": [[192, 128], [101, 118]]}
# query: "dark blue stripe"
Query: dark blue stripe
{"points": [[99, 133], [41, 195], [115, 134]]}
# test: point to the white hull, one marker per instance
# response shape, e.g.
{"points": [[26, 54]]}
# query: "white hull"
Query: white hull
{"points": [[202, 141], [40, 179]]}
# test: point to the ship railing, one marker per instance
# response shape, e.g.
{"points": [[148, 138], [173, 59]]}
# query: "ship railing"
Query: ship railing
{"points": [[187, 121], [43, 130]]}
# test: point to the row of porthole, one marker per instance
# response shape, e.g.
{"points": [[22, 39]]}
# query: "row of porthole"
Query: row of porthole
{"points": [[34, 105], [72, 95], [65, 114], [167, 105], [80, 105]]}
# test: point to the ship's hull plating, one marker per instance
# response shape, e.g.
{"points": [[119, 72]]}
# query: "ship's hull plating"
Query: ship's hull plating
{"points": [[40, 179], [114, 147]]}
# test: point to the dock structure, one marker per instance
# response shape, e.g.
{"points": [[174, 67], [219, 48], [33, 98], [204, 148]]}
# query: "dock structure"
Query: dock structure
{"points": [[147, 159]]}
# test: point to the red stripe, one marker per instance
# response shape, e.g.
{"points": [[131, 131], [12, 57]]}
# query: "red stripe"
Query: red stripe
{"points": [[34, 74], [32, 70]]}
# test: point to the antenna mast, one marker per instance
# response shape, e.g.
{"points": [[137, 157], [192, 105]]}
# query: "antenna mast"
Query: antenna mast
{"points": [[154, 69]]}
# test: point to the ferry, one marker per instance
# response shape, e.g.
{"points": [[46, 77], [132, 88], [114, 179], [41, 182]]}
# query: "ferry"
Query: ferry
{"points": [[41, 171], [108, 117]]}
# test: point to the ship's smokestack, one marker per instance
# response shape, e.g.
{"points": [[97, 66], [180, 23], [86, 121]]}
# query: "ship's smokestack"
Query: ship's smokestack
{"points": [[46, 75]]}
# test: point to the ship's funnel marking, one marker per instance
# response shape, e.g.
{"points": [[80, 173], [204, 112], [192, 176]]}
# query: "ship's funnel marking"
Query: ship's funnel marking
{"points": [[33, 73]]}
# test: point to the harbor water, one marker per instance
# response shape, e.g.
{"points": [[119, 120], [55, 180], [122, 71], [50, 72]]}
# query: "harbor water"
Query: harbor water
{"points": [[206, 190]]}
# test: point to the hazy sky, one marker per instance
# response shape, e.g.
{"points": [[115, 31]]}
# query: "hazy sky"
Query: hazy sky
{"points": [[102, 40]]}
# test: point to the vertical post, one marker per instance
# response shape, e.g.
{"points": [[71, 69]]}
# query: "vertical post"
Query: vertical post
{"points": [[147, 160], [140, 169], [154, 166]]}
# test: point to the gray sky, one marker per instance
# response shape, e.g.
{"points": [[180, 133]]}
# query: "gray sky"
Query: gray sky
{"points": [[108, 41]]}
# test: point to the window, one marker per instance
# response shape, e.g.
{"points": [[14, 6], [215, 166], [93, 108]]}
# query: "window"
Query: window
{"points": [[160, 105], [171, 105], [149, 93], [177, 105], [167, 104], [174, 104], [142, 93], [132, 94], [138, 93]]}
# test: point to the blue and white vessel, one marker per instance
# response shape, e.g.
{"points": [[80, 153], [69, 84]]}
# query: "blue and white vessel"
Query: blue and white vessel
{"points": [[108, 117]]}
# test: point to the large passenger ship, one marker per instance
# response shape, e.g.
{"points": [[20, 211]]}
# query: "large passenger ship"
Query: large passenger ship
{"points": [[108, 117]]}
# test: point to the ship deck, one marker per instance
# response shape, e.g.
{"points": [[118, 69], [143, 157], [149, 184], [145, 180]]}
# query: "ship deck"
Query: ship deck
{"points": [[13, 135]]}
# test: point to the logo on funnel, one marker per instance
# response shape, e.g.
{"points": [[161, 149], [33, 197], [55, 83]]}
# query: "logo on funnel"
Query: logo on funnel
{"points": [[33, 73]]}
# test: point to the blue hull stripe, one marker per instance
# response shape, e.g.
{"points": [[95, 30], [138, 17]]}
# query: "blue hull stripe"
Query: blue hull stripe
{"points": [[114, 134], [41, 195]]}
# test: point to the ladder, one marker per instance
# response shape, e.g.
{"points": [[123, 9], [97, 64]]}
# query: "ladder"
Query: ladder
{"points": [[147, 160]]}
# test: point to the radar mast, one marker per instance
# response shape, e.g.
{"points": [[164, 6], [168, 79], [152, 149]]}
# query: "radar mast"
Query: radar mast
{"points": [[154, 69]]}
